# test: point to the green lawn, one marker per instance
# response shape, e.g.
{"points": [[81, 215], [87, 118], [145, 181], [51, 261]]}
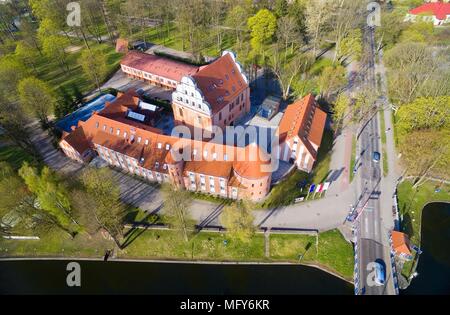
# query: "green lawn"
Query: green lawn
{"points": [[335, 254], [14, 155], [412, 201], [56, 77]]}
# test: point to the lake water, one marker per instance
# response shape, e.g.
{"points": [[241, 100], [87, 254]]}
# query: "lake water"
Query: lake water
{"points": [[97, 277], [434, 262]]}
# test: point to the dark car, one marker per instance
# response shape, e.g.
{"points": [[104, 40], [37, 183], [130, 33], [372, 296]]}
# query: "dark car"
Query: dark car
{"points": [[376, 156]]}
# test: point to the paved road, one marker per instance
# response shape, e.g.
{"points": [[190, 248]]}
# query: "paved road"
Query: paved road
{"points": [[372, 233]]}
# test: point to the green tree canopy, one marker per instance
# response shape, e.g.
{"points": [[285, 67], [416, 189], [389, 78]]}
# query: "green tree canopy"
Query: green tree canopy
{"points": [[36, 98], [262, 27], [239, 221]]}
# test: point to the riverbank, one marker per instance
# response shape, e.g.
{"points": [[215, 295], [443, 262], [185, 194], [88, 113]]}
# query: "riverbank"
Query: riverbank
{"points": [[411, 203], [333, 254]]}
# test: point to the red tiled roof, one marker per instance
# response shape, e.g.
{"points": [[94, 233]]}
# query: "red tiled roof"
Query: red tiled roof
{"points": [[158, 65], [317, 127], [205, 157], [220, 82], [304, 119], [78, 140], [438, 9], [400, 242]]}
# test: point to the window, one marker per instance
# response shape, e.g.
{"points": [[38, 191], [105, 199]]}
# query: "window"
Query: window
{"points": [[167, 147], [214, 155], [111, 130], [146, 142], [205, 153], [156, 165], [225, 157], [220, 116], [165, 166], [159, 145], [125, 134], [104, 127], [180, 111], [118, 132], [139, 139], [199, 119], [131, 137], [96, 124], [194, 152]]}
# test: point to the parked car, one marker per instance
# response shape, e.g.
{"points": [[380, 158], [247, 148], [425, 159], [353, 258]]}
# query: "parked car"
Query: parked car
{"points": [[376, 156], [379, 274]]}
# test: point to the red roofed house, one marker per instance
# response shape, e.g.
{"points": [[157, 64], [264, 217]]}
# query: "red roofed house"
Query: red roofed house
{"points": [[216, 95], [401, 245], [156, 70], [300, 132], [436, 12], [125, 142]]}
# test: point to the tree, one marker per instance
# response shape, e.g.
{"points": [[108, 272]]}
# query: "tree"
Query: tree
{"points": [[281, 8], [424, 113], [237, 20], [340, 109], [392, 25], [346, 15], [27, 54], [318, 15], [94, 66], [418, 32], [51, 197], [287, 70], [106, 207], [54, 48], [176, 210], [36, 98], [11, 72], [13, 123], [288, 33], [351, 45], [239, 221], [262, 27], [426, 153], [411, 66], [13, 194], [331, 80]]}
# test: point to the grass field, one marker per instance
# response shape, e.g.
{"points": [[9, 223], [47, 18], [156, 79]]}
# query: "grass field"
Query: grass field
{"points": [[334, 253], [411, 202]]}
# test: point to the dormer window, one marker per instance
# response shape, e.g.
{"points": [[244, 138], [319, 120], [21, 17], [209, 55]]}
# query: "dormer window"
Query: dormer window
{"points": [[146, 142], [118, 132], [227, 77], [142, 160], [125, 134], [167, 147], [104, 127], [156, 165], [96, 124], [165, 166], [159, 145], [139, 139], [131, 137]]}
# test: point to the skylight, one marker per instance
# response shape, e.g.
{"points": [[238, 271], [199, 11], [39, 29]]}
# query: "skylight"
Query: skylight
{"points": [[136, 116]]}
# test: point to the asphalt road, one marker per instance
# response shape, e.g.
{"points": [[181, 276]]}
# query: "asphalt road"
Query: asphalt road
{"points": [[372, 236]]}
